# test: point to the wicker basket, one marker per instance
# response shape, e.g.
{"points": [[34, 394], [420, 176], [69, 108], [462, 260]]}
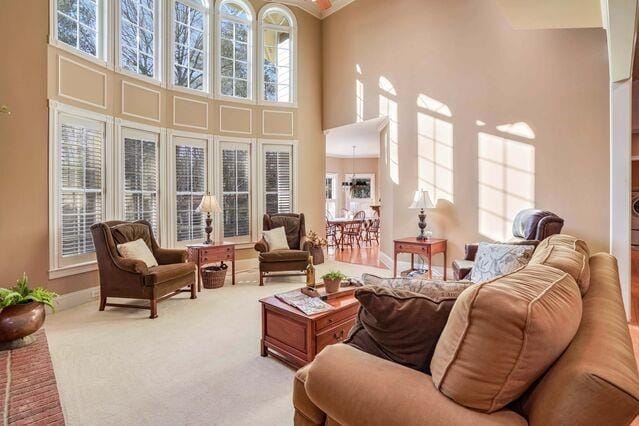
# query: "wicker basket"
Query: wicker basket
{"points": [[213, 277]]}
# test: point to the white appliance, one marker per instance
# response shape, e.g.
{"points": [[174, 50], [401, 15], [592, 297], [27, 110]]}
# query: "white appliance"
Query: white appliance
{"points": [[635, 220]]}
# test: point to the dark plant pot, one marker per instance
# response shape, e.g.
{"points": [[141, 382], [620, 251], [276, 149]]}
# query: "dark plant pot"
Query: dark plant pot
{"points": [[318, 255], [20, 321], [331, 286]]}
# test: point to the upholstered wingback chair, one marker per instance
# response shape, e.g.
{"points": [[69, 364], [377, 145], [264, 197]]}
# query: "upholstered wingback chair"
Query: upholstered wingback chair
{"points": [[294, 259], [131, 278], [529, 227]]}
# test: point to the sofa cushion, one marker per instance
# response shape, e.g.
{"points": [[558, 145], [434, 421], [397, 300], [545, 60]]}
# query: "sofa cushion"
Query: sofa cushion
{"points": [[163, 273], [284, 256], [502, 335], [494, 260], [400, 319], [567, 253]]}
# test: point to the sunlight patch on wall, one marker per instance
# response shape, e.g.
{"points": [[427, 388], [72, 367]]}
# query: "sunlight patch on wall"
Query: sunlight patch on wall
{"points": [[388, 108], [433, 105], [506, 183], [518, 129], [435, 150], [359, 100]]}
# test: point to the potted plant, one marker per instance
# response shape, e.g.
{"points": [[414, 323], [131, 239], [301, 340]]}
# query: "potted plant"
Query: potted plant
{"points": [[317, 244], [22, 312], [332, 281]]}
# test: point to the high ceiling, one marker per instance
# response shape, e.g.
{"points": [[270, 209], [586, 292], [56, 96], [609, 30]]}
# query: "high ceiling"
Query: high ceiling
{"points": [[318, 8], [364, 136]]}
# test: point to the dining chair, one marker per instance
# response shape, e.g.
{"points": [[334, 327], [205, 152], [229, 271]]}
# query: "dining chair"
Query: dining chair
{"points": [[353, 230], [373, 231], [331, 233]]}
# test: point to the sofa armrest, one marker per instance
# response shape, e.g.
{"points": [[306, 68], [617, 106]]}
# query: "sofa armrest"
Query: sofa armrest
{"points": [[355, 388], [261, 246], [305, 244], [170, 256], [462, 269]]}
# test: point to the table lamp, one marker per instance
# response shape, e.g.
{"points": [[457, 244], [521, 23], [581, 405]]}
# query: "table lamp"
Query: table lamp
{"points": [[208, 205], [421, 201]]}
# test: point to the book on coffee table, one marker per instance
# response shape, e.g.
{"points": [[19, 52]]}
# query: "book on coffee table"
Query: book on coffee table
{"points": [[306, 304]]}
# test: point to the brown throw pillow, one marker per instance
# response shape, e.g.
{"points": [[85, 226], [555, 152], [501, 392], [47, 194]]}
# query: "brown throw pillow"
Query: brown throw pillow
{"points": [[502, 335], [400, 320]]}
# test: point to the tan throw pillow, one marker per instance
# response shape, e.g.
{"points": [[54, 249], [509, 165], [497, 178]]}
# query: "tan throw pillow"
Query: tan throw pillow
{"points": [[400, 319], [567, 253], [276, 239], [138, 250], [502, 335]]}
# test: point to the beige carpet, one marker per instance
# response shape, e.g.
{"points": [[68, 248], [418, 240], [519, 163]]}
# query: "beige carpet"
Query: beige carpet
{"points": [[198, 363]]}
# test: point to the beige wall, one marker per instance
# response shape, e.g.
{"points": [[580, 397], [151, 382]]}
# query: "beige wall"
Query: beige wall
{"points": [[466, 55], [343, 167], [38, 72]]}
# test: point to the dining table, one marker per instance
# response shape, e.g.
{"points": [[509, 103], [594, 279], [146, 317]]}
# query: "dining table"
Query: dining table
{"points": [[342, 222]]}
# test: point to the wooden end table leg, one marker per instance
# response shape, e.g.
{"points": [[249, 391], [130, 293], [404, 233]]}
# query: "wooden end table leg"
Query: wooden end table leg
{"points": [[199, 277], [445, 265], [233, 270], [430, 264], [394, 263], [263, 349]]}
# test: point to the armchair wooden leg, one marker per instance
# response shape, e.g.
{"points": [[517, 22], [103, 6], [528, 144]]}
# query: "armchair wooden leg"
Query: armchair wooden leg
{"points": [[154, 308], [193, 291], [102, 302], [261, 278]]}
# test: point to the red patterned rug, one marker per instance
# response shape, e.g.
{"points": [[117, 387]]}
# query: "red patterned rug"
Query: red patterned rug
{"points": [[28, 390]]}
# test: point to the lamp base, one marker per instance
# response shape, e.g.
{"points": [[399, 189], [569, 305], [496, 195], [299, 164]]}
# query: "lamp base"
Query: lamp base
{"points": [[208, 229], [422, 225]]}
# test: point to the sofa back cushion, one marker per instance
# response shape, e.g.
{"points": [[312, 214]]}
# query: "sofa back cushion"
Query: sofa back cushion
{"points": [[127, 232], [503, 334], [401, 319], [595, 381], [567, 253]]}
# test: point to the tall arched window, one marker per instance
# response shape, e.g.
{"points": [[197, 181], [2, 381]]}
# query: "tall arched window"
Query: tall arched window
{"points": [[277, 55], [190, 44], [235, 48]]}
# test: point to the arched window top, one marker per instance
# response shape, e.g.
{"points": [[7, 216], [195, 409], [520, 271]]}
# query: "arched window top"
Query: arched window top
{"points": [[238, 9], [277, 16]]}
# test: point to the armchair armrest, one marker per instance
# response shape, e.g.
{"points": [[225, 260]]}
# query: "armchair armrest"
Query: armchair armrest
{"points": [[305, 244], [356, 388], [261, 246], [133, 266], [170, 256], [470, 251]]}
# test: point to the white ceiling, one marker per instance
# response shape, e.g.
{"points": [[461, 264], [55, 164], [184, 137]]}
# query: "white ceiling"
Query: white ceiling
{"points": [[546, 14], [311, 7], [365, 137]]}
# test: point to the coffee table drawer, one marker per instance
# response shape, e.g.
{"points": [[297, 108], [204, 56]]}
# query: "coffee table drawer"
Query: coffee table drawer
{"points": [[334, 335], [336, 318]]}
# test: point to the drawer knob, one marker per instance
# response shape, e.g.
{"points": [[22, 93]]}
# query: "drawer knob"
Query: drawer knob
{"points": [[330, 320], [338, 336]]}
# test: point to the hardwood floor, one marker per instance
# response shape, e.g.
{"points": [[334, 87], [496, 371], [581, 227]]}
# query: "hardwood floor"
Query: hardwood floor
{"points": [[368, 255], [634, 284]]}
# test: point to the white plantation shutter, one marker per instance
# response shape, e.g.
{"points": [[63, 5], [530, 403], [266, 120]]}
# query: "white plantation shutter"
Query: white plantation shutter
{"points": [[236, 189], [190, 181], [80, 168], [278, 178], [141, 180]]}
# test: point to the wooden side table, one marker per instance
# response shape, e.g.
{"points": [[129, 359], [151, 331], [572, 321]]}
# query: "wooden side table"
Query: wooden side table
{"points": [[205, 254], [426, 248], [295, 338]]}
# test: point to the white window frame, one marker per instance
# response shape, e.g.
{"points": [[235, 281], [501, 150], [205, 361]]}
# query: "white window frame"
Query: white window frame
{"points": [[260, 56], [220, 142], [334, 188], [158, 44], [105, 30], [59, 267], [261, 147], [170, 49], [125, 129], [251, 50], [194, 139]]}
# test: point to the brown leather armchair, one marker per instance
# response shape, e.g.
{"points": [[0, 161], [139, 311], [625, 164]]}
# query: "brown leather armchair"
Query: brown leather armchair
{"points": [[131, 278], [529, 227], [294, 259]]}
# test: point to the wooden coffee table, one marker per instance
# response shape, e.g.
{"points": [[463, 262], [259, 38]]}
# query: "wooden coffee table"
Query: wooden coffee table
{"points": [[295, 338]]}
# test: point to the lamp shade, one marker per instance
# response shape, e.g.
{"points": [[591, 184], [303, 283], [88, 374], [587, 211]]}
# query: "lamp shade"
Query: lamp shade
{"points": [[421, 200], [209, 205]]}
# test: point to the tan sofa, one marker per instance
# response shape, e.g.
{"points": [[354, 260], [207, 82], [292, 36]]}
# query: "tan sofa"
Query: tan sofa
{"points": [[594, 381]]}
